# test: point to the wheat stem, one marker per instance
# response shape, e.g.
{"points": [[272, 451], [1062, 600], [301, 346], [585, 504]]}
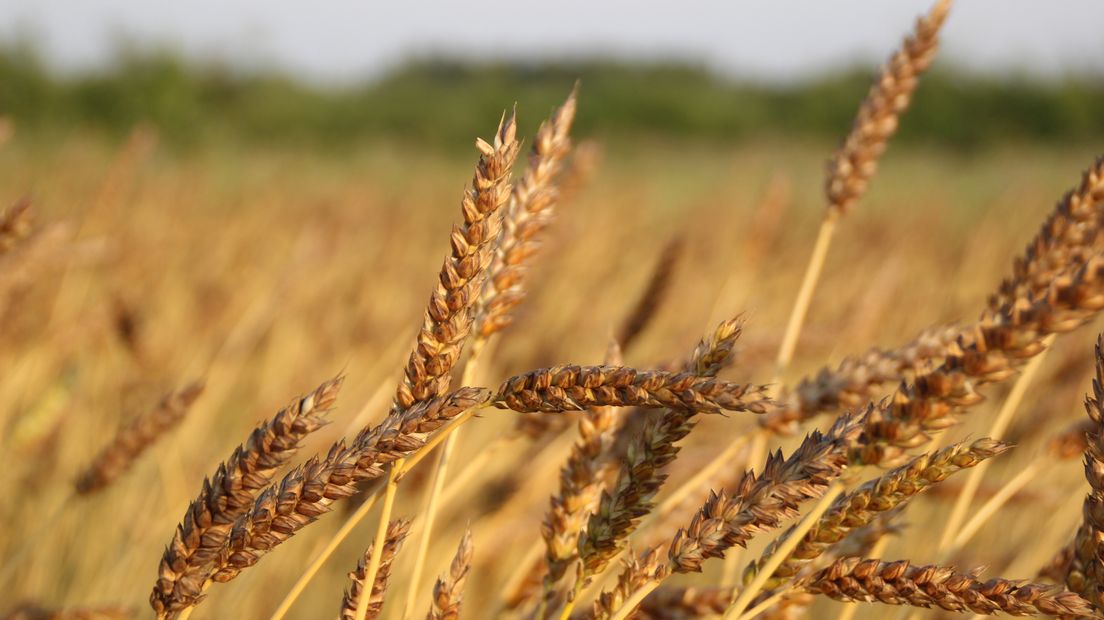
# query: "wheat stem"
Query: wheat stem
{"points": [[702, 476], [434, 497], [1000, 425], [381, 532], [989, 508], [805, 293], [769, 602], [635, 599]]}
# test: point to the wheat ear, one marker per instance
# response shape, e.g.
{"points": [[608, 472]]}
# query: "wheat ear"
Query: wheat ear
{"points": [[631, 492], [452, 306], [448, 593], [135, 438], [900, 583], [761, 502], [15, 225], [309, 491], [875, 497], [856, 380], [229, 494], [361, 602], [1002, 342], [852, 166], [528, 213], [1085, 572], [653, 295], [526, 216], [577, 388]]}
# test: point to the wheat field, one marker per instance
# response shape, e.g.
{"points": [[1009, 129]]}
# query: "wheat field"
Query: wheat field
{"points": [[751, 384]]}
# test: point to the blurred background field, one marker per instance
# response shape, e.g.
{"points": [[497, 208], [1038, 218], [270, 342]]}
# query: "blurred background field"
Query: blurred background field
{"points": [[262, 233], [443, 102]]}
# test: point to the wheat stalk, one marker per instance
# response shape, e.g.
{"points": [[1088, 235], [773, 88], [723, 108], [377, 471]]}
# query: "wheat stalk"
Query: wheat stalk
{"points": [[997, 429]]}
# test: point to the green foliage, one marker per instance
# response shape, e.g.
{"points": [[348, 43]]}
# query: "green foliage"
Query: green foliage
{"points": [[450, 103]]}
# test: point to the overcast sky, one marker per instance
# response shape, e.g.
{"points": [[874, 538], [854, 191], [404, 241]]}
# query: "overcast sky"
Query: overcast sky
{"points": [[340, 40]]}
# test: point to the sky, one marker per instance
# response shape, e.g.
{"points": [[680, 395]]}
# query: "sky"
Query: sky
{"points": [[339, 40]]}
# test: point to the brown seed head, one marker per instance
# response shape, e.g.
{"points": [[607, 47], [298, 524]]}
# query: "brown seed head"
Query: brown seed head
{"points": [[230, 493], [396, 534], [899, 583], [15, 225], [1086, 566], [451, 307], [852, 166], [577, 388], [448, 592], [878, 496], [134, 439], [528, 213]]}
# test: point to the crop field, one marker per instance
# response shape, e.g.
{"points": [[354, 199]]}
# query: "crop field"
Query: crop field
{"points": [[655, 378]]}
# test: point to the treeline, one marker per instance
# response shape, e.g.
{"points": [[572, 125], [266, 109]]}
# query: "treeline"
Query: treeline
{"points": [[449, 103]]}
